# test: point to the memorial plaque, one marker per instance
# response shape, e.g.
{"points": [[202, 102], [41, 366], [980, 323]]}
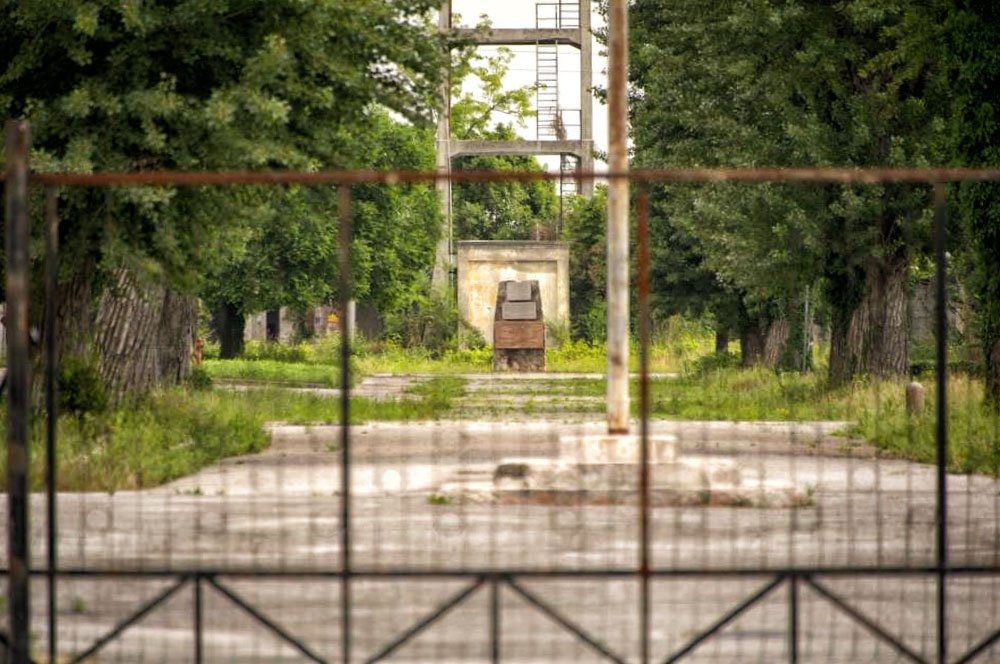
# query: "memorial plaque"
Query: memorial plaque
{"points": [[519, 311], [519, 291], [510, 334]]}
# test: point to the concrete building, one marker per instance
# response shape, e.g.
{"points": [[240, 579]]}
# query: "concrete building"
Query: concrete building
{"points": [[482, 265]]}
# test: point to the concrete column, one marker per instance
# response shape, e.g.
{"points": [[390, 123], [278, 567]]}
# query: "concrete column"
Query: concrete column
{"points": [[586, 97], [442, 255], [617, 400]]}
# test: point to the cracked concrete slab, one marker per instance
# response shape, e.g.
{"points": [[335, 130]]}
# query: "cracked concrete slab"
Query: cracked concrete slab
{"points": [[280, 510]]}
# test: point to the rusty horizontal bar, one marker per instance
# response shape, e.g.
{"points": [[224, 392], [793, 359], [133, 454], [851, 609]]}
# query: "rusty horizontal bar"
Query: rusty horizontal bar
{"points": [[668, 175], [503, 574]]}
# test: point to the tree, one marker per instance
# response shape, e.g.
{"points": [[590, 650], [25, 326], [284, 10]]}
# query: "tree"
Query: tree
{"points": [[586, 231], [496, 210], [203, 84], [970, 29], [795, 84], [287, 252]]}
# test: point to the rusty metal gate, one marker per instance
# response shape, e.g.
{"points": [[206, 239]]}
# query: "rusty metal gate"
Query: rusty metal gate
{"points": [[626, 564]]}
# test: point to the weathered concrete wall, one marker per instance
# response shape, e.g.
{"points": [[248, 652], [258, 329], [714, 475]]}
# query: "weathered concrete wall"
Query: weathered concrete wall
{"points": [[256, 326], [482, 265]]}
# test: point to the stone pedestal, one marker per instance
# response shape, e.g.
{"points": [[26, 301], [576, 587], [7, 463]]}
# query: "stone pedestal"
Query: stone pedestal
{"points": [[519, 328], [605, 469], [606, 448]]}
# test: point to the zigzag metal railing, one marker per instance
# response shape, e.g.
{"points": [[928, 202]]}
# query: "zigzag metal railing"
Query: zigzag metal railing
{"points": [[18, 179], [494, 581]]}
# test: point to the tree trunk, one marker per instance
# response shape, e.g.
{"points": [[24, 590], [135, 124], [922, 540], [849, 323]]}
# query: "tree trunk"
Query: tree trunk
{"points": [[775, 342], [872, 336], [127, 320], [178, 325], [75, 317], [751, 345], [721, 340], [993, 376], [763, 339], [229, 325]]}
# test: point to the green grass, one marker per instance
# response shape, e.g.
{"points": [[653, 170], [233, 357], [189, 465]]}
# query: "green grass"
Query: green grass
{"points": [[876, 410], [177, 432], [273, 371], [752, 394], [572, 357], [391, 358], [973, 431], [677, 343]]}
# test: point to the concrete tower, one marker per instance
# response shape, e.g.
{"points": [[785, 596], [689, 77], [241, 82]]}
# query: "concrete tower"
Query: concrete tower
{"points": [[566, 132]]}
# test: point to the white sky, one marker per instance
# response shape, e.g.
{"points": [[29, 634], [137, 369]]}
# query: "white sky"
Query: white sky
{"points": [[521, 14]]}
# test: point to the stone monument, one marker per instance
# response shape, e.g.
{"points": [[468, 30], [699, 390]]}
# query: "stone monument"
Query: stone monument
{"points": [[484, 264], [518, 327]]}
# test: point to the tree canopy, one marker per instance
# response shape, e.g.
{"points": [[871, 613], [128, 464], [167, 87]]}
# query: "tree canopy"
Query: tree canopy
{"points": [[199, 85], [496, 210], [794, 84]]}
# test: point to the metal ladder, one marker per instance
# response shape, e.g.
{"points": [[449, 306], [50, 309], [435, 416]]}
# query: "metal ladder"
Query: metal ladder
{"points": [[548, 118], [569, 183], [550, 121]]}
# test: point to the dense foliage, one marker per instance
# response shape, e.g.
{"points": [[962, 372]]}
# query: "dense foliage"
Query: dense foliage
{"points": [[973, 51], [794, 84], [496, 210], [199, 85]]}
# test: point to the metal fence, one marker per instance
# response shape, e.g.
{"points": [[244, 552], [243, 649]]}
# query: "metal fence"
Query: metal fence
{"points": [[347, 544]]}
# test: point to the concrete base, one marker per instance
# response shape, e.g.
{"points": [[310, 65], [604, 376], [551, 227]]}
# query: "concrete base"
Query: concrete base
{"points": [[526, 360], [605, 448], [605, 469]]}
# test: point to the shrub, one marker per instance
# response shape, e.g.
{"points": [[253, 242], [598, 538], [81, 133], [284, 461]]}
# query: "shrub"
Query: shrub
{"points": [[429, 322], [81, 389], [707, 364], [199, 379], [279, 352], [558, 333]]}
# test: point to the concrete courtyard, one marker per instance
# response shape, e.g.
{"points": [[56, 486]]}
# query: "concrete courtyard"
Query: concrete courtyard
{"points": [[279, 511]]}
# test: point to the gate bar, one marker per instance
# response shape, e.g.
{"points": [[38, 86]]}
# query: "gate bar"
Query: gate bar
{"points": [[608, 573], [494, 621], [724, 620], [941, 266], [51, 405], [825, 175], [564, 622], [275, 628], [644, 535], [18, 387], [857, 616], [143, 611], [344, 255], [979, 648], [426, 621], [199, 622], [793, 619]]}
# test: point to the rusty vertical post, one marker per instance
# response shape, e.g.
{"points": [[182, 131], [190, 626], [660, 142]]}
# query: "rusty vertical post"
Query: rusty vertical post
{"points": [[51, 404], [344, 256], [18, 386], [941, 432], [644, 534], [618, 188]]}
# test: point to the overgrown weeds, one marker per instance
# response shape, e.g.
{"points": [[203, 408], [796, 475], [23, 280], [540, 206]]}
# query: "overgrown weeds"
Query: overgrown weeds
{"points": [[176, 432]]}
